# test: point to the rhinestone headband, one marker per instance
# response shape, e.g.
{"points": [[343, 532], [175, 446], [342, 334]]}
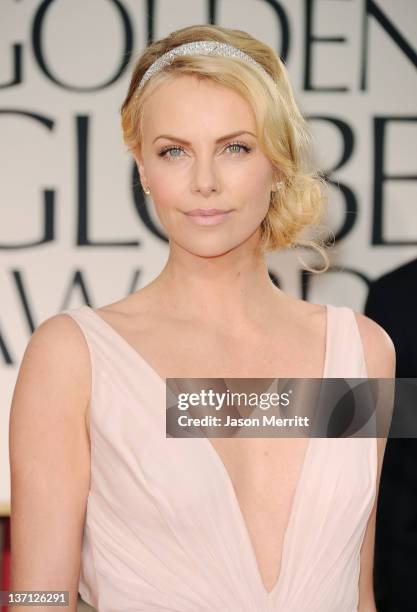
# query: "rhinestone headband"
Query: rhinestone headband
{"points": [[199, 47]]}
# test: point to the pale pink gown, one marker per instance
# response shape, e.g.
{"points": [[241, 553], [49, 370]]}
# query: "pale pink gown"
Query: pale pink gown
{"points": [[163, 528]]}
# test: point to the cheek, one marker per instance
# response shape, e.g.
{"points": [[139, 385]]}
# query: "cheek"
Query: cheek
{"points": [[259, 193], [256, 180], [163, 197], [256, 191], [165, 192]]}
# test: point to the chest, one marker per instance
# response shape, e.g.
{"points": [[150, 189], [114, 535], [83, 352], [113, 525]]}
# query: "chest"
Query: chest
{"points": [[177, 353], [264, 473]]}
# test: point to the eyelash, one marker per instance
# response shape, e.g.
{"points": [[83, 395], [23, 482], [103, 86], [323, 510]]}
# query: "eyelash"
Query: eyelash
{"points": [[163, 152]]}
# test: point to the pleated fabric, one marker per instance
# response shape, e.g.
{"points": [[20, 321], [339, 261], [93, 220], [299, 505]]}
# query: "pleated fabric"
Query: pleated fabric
{"points": [[163, 528]]}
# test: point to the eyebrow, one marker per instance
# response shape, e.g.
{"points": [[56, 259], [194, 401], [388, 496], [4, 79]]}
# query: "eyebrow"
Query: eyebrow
{"points": [[221, 139]]}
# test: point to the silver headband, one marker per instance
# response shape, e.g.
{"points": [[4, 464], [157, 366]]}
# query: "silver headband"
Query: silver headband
{"points": [[199, 47]]}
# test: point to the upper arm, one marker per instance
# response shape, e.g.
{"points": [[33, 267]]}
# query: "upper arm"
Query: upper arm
{"points": [[50, 459], [380, 361]]}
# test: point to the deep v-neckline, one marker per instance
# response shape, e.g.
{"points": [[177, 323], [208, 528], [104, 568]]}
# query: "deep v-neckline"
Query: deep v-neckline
{"points": [[286, 540], [211, 451]]}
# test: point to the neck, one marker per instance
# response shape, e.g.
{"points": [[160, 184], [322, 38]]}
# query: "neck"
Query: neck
{"points": [[229, 291]]}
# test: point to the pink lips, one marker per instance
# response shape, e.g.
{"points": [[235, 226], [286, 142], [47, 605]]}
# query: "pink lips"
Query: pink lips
{"points": [[208, 216], [198, 212]]}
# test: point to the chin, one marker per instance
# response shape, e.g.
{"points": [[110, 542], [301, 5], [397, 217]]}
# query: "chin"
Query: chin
{"points": [[208, 250], [215, 242]]}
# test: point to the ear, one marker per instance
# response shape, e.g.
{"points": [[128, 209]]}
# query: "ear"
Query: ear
{"points": [[137, 155]]}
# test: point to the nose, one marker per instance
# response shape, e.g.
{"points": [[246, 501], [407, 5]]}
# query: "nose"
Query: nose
{"points": [[205, 179]]}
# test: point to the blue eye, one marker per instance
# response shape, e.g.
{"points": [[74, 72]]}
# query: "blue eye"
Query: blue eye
{"points": [[239, 144], [163, 152], [169, 149]]}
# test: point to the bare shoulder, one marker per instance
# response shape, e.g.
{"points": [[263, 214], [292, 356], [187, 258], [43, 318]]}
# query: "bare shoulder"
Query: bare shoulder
{"points": [[56, 357], [378, 347], [60, 340], [59, 327]]}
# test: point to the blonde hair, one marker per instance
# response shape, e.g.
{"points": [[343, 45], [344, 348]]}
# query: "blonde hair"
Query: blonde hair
{"points": [[282, 131]]}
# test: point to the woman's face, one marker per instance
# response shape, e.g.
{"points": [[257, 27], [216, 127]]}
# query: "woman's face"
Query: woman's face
{"points": [[190, 161]]}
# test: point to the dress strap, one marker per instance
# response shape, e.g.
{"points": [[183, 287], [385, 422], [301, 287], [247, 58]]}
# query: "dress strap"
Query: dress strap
{"points": [[91, 327], [346, 356]]}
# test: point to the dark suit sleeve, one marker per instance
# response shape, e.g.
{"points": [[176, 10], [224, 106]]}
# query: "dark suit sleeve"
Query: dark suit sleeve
{"points": [[395, 568]]}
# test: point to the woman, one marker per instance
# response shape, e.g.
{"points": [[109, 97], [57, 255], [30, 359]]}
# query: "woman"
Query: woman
{"points": [[144, 522]]}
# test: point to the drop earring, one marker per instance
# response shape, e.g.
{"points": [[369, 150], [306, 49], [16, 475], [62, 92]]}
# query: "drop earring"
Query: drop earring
{"points": [[279, 186]]}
